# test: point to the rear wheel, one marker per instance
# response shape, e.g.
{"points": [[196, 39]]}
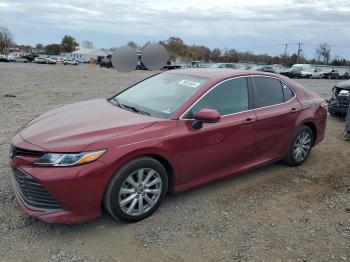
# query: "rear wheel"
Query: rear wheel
{"points": [[300, 148], [136, 190], [346, 136]]}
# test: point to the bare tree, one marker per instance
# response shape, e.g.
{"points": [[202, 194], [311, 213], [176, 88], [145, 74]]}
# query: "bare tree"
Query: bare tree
{"points": [[39, 46], [215, 54], [87, 44], [132, 45], [323, 51], [6, 39]]}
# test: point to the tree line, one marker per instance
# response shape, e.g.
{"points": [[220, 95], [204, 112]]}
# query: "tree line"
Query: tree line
{"points": [[68, 44], [179, 51]]}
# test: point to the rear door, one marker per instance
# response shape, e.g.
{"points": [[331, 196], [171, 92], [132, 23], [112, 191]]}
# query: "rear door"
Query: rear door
{"points": [[276, 110]]}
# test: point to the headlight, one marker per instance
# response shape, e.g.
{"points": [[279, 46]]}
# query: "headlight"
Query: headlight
{"points": [[54, 159]]}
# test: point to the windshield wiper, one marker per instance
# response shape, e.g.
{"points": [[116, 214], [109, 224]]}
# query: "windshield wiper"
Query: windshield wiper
{"points": [[136, 110], [127, 107]]}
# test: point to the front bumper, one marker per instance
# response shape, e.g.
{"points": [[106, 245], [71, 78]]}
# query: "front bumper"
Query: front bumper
{"points": [[79, 190], [335, 106]]}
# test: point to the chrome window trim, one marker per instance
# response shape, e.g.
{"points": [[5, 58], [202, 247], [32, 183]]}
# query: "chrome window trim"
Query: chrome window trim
{"points": [[237, 77]]}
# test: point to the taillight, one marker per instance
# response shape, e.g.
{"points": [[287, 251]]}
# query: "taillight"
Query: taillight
{"points": [[324, 104]]}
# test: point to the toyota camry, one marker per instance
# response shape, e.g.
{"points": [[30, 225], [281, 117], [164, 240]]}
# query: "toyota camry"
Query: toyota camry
{"points": [[170, 132]]}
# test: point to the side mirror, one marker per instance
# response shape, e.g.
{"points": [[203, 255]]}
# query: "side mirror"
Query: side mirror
{"points": [[205, 116]]}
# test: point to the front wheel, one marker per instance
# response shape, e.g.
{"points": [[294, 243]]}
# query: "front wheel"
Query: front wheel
{"points": [[136, 190], [300, 148]]}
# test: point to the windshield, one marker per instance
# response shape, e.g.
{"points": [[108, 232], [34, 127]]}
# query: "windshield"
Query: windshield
{"points": [[161, 95]]}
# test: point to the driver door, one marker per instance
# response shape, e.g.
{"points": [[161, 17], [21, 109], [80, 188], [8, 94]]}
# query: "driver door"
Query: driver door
{"points": [[218, 149]]}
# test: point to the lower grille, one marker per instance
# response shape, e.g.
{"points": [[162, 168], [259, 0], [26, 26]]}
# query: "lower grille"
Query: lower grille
{"points": [[34, 193]]}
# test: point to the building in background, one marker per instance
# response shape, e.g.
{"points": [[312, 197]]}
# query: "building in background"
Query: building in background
{"points": [[89, 54]]}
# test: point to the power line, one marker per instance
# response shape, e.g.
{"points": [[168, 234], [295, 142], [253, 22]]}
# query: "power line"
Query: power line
{"points": [[288, 44], [255, 47]]}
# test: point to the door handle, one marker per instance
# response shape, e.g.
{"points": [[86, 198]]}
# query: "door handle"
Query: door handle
{"points": [[249, 120], [294, 110]]}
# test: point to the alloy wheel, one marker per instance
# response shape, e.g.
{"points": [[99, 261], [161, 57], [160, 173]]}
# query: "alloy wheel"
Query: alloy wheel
{"points": [[140, 191], [302, 146]]}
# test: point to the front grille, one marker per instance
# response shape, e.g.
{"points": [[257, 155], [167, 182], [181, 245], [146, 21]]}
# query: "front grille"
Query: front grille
{"points": [[34, 193], [16, 151]]}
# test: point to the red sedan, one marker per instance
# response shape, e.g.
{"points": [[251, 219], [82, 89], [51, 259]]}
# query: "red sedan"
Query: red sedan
{"points": [[168, 133]]}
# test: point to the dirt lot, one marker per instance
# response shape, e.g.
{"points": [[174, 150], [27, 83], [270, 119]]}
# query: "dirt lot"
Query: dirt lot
{"points": [[275, 213]]}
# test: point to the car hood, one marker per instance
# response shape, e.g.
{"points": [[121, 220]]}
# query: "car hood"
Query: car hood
{"points": [[344, 85], [73, 127]]}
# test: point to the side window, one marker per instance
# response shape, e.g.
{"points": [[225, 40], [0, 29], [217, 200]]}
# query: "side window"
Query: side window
{"points": [[287, 92], [267, 91], [228, 97]]}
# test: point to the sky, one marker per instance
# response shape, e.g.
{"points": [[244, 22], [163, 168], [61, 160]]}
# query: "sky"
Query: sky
{"points": [[260, 26]]}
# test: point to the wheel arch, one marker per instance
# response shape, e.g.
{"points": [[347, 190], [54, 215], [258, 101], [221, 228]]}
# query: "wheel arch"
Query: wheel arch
{"points": [[168, 165], [313, 128]]}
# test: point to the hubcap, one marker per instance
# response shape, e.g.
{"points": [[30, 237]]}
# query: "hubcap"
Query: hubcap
{"points": [[302, 146], [140, 191]]}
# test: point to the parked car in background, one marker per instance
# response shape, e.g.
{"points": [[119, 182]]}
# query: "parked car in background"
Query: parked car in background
{"points": [[265, 68], [171, 67], [338, 104], [344, 75], [291, 72], [40, 60], [4, 58], [82, 61], [316, 73], [279, 68], [306, 73], [11, 58], [20, 60], [170, 132], [330, 74], [51, 61], [30, 57], [106, 62], [71, 62], [222, 65]]}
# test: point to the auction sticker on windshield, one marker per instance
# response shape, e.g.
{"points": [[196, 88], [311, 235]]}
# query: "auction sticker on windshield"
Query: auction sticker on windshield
{"points": [[189, 83]]}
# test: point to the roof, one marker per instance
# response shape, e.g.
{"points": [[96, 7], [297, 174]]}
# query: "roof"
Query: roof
{"points": [[217, 73]]}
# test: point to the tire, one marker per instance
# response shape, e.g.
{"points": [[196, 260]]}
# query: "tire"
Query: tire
{"points": [[302, 142], [126, 205], [346, 136]]}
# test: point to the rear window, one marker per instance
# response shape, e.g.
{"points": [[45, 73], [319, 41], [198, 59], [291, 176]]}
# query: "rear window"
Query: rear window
{"points": [[287, 92], [267, 91]]}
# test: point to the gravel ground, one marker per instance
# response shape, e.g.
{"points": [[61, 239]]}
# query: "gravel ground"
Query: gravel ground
{"points": [[275, 213]]}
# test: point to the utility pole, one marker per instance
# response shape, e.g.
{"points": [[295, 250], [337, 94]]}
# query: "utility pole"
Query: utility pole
{"points": [[285, 54], [299, 52]]}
